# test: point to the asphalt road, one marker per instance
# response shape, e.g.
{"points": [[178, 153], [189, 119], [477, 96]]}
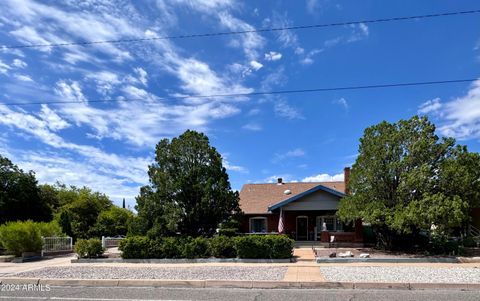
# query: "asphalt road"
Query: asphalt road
{"points": [[156, 293]]}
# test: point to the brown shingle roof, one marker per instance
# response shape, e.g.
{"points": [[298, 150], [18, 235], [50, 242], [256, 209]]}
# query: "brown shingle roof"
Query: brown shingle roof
{"points": [[256, 198]]}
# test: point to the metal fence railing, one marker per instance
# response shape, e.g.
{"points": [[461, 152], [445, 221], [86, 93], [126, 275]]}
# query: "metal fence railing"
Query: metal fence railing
{"points": [[56, 244], [110, 242]]}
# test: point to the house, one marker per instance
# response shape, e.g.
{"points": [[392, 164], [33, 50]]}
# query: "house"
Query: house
{"points": [[304, 211]]}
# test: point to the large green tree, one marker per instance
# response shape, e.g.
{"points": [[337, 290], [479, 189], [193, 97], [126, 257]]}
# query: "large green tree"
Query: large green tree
{"points": [[80, 210], [19, 195], [111, 222], [189, 190], [401, 182]]}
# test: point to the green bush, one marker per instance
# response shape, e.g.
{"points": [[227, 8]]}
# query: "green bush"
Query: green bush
{"points": [[222, 247], [264, 246], [89, 248], [135, 247], [50, 229], [172, 247], [252, 246], [230, 232], [196, 248], [18, 237], [281, 246]]}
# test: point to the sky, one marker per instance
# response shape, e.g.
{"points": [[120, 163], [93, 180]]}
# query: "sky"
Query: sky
{"points": [[300, 137]]}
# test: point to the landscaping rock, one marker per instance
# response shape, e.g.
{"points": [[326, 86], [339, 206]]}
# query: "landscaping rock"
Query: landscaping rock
{"points": [[345, 254], [167, 273], [410, 274]]}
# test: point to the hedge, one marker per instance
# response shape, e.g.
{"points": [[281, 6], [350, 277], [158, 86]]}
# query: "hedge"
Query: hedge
{"points": [[251, 246], [222, 247], [89, 248]]}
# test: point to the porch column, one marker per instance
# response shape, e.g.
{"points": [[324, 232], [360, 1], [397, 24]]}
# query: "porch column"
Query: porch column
{"points": [[358, 231]]}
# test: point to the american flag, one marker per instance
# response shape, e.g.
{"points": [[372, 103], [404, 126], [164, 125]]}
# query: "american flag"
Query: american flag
{"points": [[280, 222]]}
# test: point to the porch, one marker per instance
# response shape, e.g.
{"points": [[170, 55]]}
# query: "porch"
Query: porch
{"points": [[321, 226]]}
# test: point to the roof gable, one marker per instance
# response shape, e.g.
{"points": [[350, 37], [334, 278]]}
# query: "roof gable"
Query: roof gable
{"points": [[301, 195]]}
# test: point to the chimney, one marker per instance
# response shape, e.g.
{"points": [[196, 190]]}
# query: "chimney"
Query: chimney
{"points": [[346, 179], [279, 181]]}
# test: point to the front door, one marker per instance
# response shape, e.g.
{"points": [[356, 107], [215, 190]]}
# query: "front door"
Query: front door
{"points": [[302, 228]]}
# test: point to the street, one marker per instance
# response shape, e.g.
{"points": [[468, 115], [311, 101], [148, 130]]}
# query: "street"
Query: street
{"points": [[157, 293]]}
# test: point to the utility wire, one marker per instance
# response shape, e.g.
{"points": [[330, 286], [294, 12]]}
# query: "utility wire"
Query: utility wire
{"points": [[260, 93], [271, 29]]}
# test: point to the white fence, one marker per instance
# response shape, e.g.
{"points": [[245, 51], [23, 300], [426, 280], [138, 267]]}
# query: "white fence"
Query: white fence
{"points": [[56, 244], [109, 242]]}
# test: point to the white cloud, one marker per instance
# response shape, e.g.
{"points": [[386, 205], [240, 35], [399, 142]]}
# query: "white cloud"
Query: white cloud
{"points": [[53, 121], [250, 42], [4, 68], [37, 23], [23, 77], [312, 6], [359, 32], [460, 118], [18, 63], [343, 103], [252, 126], [43, 128], [253, 112], [283, 109], [308, 59], [70, 90], [273, 56], [106, 81], [50, 167], [324, 178], [285, 178], [256, 65], [231, 167], [142, 75], [430, 106], [295, 153]]}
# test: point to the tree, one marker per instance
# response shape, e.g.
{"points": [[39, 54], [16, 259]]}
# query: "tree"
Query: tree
{"points": [[114, 221], [397, 183], [49, 195], [189, 190], [19, 195], [80, 213]]}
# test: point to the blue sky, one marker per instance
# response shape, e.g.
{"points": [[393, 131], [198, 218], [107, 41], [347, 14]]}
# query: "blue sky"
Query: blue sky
{"points": [[300, 137]]}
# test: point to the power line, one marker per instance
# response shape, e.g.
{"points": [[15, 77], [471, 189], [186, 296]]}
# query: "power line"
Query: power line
{"points": [[271, 29], [260, 93]]}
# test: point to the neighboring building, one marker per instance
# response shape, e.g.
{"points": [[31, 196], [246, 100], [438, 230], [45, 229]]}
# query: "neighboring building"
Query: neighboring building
{"points": [[308, 210]]}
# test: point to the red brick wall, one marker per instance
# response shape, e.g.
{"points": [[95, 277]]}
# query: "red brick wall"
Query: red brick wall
{"points": [[272, 222]]}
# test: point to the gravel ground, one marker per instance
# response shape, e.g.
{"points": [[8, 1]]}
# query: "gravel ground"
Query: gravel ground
{"points": [[180, 273], [402, 274]]}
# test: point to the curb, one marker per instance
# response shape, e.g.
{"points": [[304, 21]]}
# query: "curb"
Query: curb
{"points": [[166, 260], [265, 284], [388, 260]]}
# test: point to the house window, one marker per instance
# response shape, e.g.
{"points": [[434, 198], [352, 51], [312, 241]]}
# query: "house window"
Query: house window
{"points": [[331, 222], [258, 224]]}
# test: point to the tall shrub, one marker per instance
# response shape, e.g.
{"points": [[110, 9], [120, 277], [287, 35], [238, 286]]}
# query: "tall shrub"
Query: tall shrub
{"points": [[19, 237]]}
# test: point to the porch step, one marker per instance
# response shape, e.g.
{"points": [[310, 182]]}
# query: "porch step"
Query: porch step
{"points": [[307, 244]]}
